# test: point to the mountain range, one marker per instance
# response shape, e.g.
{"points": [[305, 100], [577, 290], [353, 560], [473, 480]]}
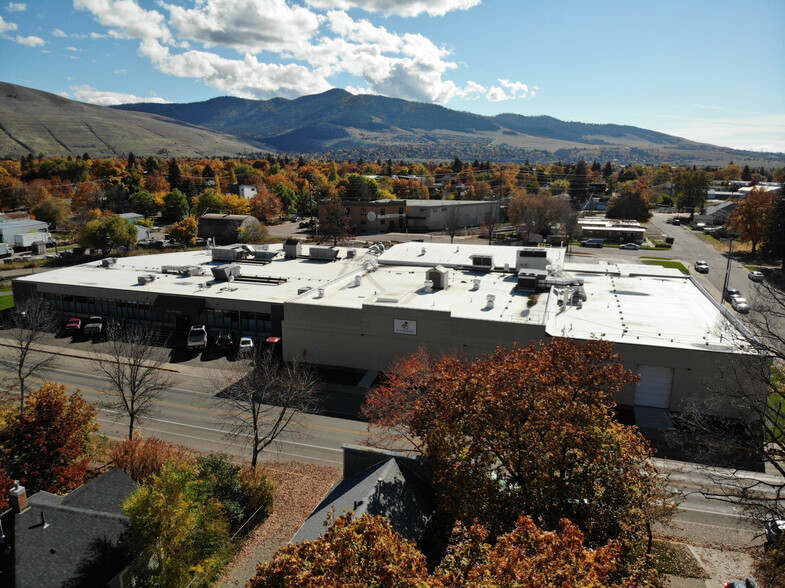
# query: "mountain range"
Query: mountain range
{"points": [[334, 124]]}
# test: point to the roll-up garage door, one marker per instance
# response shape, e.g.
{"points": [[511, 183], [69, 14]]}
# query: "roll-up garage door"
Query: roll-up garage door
{"points": [[654, 388]]}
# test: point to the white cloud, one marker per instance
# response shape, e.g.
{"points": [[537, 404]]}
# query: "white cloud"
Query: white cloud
{"points": [[248, 26], [30, 41], [7, 26], [104, 98], [59, 33], [73, 49], [120, 71], [398, 7], [16, 7], [307, 48], [126, 19], [247, 78]]}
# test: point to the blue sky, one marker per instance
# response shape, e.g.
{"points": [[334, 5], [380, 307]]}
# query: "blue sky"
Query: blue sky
{"points": [[707, 70]]}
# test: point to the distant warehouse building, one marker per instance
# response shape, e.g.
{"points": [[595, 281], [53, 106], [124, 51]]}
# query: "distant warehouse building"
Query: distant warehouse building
{"points": [[360, 309], [223, 228], [10, 228], [378, 216]]}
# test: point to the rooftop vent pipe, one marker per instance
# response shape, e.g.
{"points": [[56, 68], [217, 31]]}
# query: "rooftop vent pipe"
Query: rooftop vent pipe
{"points": [[490, 298], [429, 285]]}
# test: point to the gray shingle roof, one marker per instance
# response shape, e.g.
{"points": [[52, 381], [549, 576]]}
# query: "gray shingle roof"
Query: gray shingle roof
{"points": [[67, 541], [389, 488]]}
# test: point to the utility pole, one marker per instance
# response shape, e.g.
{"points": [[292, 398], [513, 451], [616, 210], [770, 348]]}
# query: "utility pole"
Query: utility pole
{"points": [[727, 268]]}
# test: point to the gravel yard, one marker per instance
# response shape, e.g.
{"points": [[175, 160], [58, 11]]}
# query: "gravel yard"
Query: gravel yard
{"points": [[299, 487]]}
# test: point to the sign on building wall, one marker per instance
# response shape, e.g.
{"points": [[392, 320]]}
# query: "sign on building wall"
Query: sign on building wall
{"points": [[404, 327]]}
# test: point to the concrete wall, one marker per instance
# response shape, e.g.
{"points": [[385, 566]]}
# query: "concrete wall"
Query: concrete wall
{"points": [[365, 338]]}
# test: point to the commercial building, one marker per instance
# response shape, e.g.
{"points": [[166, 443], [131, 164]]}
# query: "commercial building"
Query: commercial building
{"points": [[10, 228], [360, 309], [378, 216]]}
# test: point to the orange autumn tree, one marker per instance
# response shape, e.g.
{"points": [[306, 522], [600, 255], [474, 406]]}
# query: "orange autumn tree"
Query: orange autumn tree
{"points": [[368, 552], [50, 438], [351, 553], [533, 431], [750, 218], [526, 556]]}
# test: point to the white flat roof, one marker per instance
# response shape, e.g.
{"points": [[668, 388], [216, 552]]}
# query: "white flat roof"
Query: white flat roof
{"points": [[626, 303]]}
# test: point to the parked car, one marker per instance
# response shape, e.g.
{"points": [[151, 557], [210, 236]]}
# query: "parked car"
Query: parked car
{"points": [[592, 243], [245, 347], [748, 583], [629, 246], [731, 293], [197, 337], [775, 529], [73, 325], [701, 267], [739, 304], [755, 276], [224, 341], [94, 326]]}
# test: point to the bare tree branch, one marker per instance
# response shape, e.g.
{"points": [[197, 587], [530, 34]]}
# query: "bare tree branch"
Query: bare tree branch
{"points": [[133, 365], [266, 400], [28, 326], [740, 424]]}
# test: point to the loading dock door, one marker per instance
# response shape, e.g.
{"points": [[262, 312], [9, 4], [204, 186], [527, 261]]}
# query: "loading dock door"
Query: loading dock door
{"points": [[654, 389]]}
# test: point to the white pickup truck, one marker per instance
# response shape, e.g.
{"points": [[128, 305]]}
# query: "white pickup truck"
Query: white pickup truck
{"points": [[197, 337], [93, 326]]}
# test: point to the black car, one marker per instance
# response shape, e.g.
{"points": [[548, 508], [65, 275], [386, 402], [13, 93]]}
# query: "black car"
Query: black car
{"points": [[224, 340]]}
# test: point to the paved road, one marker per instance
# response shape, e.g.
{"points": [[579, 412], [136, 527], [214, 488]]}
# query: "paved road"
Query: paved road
{"points": [[191, 414]]}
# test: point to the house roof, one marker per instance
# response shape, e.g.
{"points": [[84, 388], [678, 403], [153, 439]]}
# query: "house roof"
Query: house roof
{"points": [[67, 540], [389, 488]]}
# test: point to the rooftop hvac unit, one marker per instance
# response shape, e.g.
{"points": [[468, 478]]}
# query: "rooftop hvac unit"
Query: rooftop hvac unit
{"points": [[303, 290], [109, 261], [320, 293], [476, 284], [358, 279], [292, 248], [226, 273], [428, 286], [490, 300], [224, 253], [438, 276], [327, 253], [145, 279], [482, 262], [351, 253], [578, 295]]}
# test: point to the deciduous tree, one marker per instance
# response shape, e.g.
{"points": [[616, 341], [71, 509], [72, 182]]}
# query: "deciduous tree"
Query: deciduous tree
{"points": [[144, 203], [132, 365], [175, 206], [691, 190], [185, 231], [50, 437], [631, 201], [533, 430], [752, 214], [266, 206], [107, 233], [29, 326], [266, 400], [175, 529], [350, 554], [335, 224], [51, 210]]}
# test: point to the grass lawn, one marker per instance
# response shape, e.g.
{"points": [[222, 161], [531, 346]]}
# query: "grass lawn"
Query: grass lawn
{"points": [[665, 263], [6, 302], [676, 559]]}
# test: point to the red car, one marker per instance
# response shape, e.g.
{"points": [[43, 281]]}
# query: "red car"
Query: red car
{"points": [[74, 325]]}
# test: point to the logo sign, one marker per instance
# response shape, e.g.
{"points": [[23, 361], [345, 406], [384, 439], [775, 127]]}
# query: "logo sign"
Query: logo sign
{"points": [[404, 327]]}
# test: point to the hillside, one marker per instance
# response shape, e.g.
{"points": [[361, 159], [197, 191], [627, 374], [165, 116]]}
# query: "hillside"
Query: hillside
{"points": [[36, 122], [344, 126], [334, 124]]}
